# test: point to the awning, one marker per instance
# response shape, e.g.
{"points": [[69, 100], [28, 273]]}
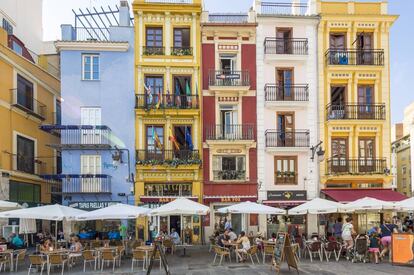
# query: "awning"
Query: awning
{"points": [[348, 195]]}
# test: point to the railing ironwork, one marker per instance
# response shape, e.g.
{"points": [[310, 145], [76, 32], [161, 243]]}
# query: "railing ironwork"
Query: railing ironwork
{"points": [[82, 183], [230, 131], [157, 101], [297, 92], [293, 46], [223, 175], [356, 111], [373, 57], [287, 138], [25, 101], [229, 78], [356, 166], [284, 8], [182, 51], [149, 50]]}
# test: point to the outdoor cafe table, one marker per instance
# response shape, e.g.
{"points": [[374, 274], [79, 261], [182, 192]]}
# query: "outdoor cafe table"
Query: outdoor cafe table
{"points": [[232, 246], [11, 254], [184, 246], [146, 249]]}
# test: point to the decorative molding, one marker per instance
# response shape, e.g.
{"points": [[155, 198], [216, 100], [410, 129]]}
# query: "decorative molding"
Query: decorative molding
{"points": [[367, 25], [228, 99], [368, 129], [228, 47], [367, 75], [341, 75], [338, 24], [153, 70], [341, 129], [92, 46]]}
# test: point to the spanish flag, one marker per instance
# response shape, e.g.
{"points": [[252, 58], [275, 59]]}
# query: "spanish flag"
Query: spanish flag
{"points": [[157, 141], [173, 140]]}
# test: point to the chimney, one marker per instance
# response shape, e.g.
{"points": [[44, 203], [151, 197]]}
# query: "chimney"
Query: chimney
{"points": [[124, 17]]}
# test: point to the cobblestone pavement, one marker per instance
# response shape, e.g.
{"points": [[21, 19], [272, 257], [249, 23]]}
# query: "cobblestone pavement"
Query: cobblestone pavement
{"points": [[200, 263]]}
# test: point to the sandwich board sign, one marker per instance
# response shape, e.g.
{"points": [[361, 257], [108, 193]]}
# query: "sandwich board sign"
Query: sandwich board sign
{"points": [[283, 252]]}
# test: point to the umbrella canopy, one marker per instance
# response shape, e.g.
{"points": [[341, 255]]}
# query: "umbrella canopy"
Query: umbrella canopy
{"points": [[316, 206], [249, 207], [367, 204], [8, 205], [117, 211], [181, 206], [54, 212], [405, 205]]}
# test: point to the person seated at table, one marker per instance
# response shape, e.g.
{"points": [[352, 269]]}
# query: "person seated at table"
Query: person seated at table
{"points": [[40, 236], [273, 238], [222, 239], [175, 237], [259, 240], [75, 250], [16, 242], [46, 246], [61, 235], [3, 240], [231, 234], [245, 243]]}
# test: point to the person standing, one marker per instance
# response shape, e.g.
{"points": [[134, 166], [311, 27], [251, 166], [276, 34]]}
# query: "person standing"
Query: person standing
{"points": [[347, 232], [374, 246], [386, 230], [338, 228]]}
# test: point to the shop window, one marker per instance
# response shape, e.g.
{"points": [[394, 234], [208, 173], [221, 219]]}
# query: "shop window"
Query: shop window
{"points": [[25, 160], [24, 192], [229, 168], [24, 93], [286, 170], [90, 67], [168, 189], [370, 185]]}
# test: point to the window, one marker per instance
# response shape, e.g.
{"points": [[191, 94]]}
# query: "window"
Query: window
{"points": [[366, 161], [91, 116], [284, 41], [337, 41], [284, 82], [228, 62], [229, 128], [286, 170], [182, 91], [90, 67], [229, 167], [17, 48], [183, 136], [24, 93], [155, 84], [168, 190], [155, 138], [58, 114], [182, 37], [24, 192], [154, 37], [7, 26], [25, 161], [404, 170], [91, 165], [339, 149], [404, 183]]}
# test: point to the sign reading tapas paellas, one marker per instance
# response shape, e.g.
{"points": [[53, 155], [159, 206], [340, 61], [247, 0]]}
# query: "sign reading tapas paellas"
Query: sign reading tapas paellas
{"points": [[228, 75], [294, 195], [92, 205]]}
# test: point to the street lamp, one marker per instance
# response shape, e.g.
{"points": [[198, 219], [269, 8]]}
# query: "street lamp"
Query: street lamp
{"points": [[317, 149]]}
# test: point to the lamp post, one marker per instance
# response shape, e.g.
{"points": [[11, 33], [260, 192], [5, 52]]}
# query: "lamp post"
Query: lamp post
{"points": [[317, 149]]}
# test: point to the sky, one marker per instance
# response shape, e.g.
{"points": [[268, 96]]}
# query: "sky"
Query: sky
{"points": [[57, 12]]}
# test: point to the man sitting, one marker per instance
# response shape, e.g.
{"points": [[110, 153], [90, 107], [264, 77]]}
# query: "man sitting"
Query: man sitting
{"points": [[232, 235], [175, 237]]}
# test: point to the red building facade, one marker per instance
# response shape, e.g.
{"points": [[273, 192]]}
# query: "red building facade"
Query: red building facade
{"points": [[229, 118]]}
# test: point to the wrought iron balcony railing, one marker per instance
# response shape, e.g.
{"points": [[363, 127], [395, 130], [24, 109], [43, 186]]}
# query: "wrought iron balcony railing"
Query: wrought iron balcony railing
{"points": [[287, 138], [230, 131], [148, 50], [293, 46], [81, 136], [24, 101], [169, 157], [182, 51], [223, 175], [283, 8], [275, 92], [156, 101], [81, 183], [228, 78], [373, 57], [30, 165], [356, 166], [356, 112]]}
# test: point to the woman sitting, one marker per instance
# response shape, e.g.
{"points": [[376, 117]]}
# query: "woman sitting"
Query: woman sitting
{"points": [[46, 246], [245, 242]]}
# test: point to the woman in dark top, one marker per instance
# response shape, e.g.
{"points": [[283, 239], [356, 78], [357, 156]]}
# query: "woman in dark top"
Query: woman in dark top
{"points": [[386, 230]]}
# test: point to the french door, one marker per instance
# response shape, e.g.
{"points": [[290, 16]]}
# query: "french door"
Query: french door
{"points": [[366, 154], [339, 148], [286, 129], [91, 165], [365, 102], [284, 80], [91, 117]]}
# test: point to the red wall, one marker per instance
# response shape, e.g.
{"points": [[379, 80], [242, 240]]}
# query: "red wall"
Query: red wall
{"points": [[206, 165], [253, 165], [207, 62], [230, 189], [209, 113], [249, 62], [249, 111]]}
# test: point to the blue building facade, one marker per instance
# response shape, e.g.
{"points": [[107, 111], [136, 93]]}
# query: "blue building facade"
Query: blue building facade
{"points": [[97, 127]]}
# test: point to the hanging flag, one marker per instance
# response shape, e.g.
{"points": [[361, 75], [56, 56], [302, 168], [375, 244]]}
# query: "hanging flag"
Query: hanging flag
{"points": [[148, 93], [196, 96], [168, 98], [188, 139], [158, 99], [156, 139], [188, 92], [177, 95], [173, 140]]}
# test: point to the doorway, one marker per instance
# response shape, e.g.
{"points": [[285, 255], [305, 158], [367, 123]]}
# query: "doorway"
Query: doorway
{"points": [[284, 40], [364, 45], [175, 222], [284, 80], [366, 154], [286, 129], [365, 102], [338, 102], [339, 148]]}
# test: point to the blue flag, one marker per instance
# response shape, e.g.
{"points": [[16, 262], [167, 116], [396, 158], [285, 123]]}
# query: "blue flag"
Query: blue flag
{"points": [[188, 139]]}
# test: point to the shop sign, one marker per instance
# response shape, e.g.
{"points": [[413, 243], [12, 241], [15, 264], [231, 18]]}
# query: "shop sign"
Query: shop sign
{"points": [[208, 199], [230, 199], [294, 195], [228, 75], [147, 199], [92, 205]]}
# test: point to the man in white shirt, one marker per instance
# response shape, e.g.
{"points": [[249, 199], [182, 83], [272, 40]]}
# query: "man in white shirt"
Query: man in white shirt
{"points": [[232, 235]]}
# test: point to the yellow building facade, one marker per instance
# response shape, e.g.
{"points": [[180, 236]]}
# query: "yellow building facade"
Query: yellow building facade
{"points": [[168, 124], [29, 97], [354, 97]]}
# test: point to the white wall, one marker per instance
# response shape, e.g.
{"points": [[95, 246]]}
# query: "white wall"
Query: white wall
{"points": [[26, 18]]}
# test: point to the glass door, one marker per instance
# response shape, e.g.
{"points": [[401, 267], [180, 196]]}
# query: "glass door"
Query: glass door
{"points": [[284, 80], [286, 129], [366, 154], [339, 148]]}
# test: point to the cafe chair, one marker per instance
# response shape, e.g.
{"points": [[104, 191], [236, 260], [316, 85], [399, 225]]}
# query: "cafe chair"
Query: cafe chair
{"points": [[168, 245], [138, 256], [4, 261], [253, 251], [267, 251], [212, 244], [221, 252], [334, 248], [314, 248], [120, 250], [109, 255], [20, 257], [37, 261], [89, 256], [56, 260]]}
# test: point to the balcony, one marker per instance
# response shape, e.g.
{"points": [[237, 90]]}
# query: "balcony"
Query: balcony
{"points": [[230, 132], [182, 51], [148, 51], [25, 102], [29, 165], [227, 78], [81, 183], [356, 166], [81, 136], [286, 138], [167, 157], [284, 46], [355, 57], [156, 101], [229, 175], [271, 8], [274, 92], [229, 18], [356, 112]]}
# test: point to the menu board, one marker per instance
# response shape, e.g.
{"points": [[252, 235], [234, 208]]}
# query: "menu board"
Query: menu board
{"points": [[403, 248], [283, 252]]}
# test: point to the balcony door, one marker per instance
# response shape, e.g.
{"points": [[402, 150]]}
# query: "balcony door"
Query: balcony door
{"points": [[364, 46], [284, 83], [91, 165], [339, 149], [25, 93], [337, 46], [284, 40], [366, 154], [25, 160], [91, 116], [286, 129], [182, 134], [365, 101], [338, 102], [154, 143], [229, 128]]}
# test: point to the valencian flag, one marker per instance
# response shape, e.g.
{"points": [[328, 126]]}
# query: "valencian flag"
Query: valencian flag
{"points": [[196, 96], [148, 93], [188, 92], [168, 96], [177, 94], [173, 140], [159, 99], [156, 139], [188, 139]]}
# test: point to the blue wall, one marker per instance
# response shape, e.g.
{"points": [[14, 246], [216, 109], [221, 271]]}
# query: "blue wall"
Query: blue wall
{"points": [[114, 94]]}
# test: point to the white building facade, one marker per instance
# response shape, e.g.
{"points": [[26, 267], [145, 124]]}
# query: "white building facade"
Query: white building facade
{"points": [[287, 109]]}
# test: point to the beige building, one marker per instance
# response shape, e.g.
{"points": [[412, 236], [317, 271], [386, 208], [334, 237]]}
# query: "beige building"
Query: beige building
{"points": [[402, 170]]}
